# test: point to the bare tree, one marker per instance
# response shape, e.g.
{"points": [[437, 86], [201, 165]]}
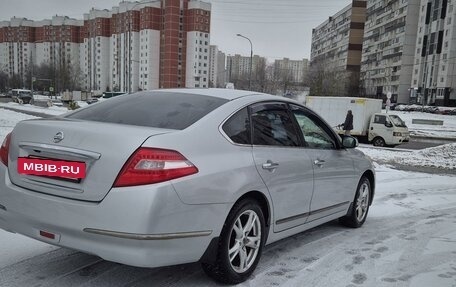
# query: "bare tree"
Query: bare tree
{"points": [[326, 81], [3, 81]]}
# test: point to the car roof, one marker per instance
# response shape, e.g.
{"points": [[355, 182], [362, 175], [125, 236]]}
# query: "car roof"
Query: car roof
{"points": [[227, 94]]}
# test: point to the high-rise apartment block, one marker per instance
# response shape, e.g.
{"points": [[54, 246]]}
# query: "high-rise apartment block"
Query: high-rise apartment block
{"points": [[293, 71], [17, 46], [389, 48], [337, 42], [238, 66], [217, 71], [434, 71], [408, 51], [134, 46]]}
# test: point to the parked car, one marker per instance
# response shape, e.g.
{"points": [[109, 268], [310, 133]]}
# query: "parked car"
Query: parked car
{"points": [[92, 100], [394, 105], [22, 96], [182, 175]]}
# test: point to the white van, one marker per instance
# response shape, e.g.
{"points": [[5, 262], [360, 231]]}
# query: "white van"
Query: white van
{"points": [[385, 129], [368, 121]]}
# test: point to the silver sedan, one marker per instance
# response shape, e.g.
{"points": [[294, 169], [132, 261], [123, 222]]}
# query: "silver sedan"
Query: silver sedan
{"points": [[175, 176]]}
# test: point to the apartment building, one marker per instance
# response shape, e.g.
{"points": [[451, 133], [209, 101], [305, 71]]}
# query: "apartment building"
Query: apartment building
{"points": [[134, 46], [95, 49], [389, 48], [337, 45], [434, 73], [57, 42], [217, 71], [294, 71], [239, 66], [17, 46]]}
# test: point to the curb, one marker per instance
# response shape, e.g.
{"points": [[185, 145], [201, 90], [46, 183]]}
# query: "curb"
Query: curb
{"points": [[424, 138], [32, 113]]}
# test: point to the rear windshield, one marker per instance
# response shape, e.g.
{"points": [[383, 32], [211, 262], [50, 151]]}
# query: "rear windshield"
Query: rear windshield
{"points": [[151, 109]]}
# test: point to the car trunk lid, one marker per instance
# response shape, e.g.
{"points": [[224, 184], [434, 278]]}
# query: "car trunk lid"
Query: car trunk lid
{"points": [[102, 147]]}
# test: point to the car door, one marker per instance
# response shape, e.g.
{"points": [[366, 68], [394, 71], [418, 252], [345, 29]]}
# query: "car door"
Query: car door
{"points": [[334, 180], [284, 166]]}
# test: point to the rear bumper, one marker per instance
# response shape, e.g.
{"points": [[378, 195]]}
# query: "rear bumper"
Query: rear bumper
{"points": [[146, 226]]}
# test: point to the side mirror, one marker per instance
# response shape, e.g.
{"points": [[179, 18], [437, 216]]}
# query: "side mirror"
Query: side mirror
{"points": [[388, 124], [349, 142]]}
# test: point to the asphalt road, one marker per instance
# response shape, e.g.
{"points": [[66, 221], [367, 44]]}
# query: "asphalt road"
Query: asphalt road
{"points": [[418, 144]]}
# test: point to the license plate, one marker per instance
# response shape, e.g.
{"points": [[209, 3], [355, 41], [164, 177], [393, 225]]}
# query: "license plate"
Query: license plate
{"points": [[52, 168]]}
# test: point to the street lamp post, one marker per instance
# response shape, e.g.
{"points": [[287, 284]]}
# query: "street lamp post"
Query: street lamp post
{"points": [[251, 60]]}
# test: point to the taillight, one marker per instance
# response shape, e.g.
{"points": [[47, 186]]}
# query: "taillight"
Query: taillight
{"points": [[151, 165], [4, 149]]}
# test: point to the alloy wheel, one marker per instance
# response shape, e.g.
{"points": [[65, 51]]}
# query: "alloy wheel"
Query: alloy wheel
{"points": [[362, 202], [245, 241]]}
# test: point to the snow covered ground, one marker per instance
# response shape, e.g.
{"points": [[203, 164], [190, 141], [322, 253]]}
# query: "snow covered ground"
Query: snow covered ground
{"points": [[442, 158], [409, 239]]}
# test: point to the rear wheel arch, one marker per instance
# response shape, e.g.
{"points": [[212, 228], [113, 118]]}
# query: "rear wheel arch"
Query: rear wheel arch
{"points": [[262, 201], [221, 260]]}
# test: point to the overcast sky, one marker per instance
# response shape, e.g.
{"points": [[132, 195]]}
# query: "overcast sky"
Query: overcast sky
{"points": [[277, 28]]}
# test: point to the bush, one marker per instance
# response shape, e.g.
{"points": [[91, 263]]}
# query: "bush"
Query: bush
{"points": [[73, 105]]}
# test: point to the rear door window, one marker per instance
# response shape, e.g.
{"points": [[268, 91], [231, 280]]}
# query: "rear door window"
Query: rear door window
{"points": [[166, 110], [272, 126]]}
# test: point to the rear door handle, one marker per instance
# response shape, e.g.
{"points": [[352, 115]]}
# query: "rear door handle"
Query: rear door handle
{"points": [[319, 162], [270, 165]]}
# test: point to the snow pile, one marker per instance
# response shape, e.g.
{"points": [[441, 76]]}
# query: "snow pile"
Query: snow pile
{"points": [[53, 110], [441, 157]]}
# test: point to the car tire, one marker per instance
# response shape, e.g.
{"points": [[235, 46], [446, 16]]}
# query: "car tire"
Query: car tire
{"points": [[359, 209], [378, 141], [237, 254]]}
